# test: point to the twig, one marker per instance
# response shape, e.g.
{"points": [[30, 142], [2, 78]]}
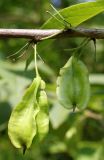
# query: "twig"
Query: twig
{"points": [[93, 115], [39, 34]]}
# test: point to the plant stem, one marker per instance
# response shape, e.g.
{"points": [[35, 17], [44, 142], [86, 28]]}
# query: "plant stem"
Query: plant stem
{"points": [[35, 60]]}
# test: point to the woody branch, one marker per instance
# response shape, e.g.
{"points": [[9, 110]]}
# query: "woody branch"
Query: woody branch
{"points": [[39, 34]]}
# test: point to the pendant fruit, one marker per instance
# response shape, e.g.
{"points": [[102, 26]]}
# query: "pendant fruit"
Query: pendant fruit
{"points": [[73, 87]]}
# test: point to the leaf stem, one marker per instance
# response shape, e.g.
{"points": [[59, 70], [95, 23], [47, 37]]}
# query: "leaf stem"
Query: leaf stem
{"points": [[35, 60]]}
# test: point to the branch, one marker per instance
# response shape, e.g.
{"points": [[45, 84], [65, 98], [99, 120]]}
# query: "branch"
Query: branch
{"points": [[39, 34], [93, 115]]}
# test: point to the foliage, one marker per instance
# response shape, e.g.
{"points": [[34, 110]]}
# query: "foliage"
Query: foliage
{"points": [[76, 14], [72, 136]]}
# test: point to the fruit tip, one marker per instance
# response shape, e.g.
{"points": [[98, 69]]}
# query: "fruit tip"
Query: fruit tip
{"points": [[24, 149]]}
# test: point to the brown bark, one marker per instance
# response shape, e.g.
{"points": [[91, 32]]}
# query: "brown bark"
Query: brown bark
{"points": [[39, 34]]}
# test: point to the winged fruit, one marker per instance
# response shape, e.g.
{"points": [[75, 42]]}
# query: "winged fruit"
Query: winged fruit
{"points": [[73, 87], [22, 124], [42, 118]]}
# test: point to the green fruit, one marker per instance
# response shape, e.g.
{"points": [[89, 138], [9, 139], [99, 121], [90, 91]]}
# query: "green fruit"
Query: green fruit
{"points": [[73, 88], [42, 118], [22, 124]]}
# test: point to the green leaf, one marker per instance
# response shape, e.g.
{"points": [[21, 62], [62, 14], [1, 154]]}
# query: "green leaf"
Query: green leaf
{"points": [[89, 151], [62, 114], [97, 79], [75, 14]]}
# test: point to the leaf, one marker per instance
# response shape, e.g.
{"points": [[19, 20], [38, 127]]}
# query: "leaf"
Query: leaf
{"points": [[75, 14], [97, 79], [89, 151], [60, 117]]}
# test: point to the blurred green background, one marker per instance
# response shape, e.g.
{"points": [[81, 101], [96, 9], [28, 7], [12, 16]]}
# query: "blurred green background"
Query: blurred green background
{"points": [[72, 136]]}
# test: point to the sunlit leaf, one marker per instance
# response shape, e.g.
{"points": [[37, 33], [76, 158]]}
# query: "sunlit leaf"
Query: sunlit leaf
{"points": [[75, 14]]}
